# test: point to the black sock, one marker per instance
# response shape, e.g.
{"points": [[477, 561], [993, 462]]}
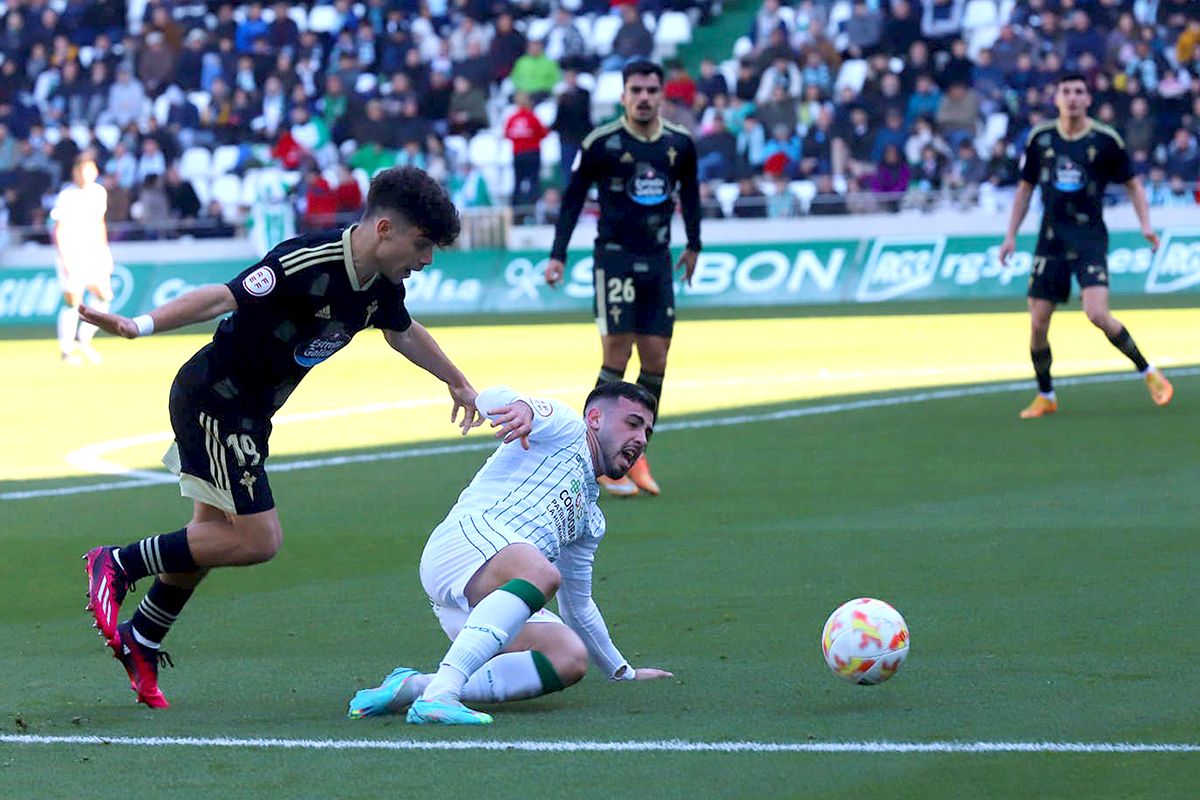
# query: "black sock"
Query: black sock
{"points": [[653, 384], [158, 610], [156, 555], [610, 375], [1124, 342], [1041, 368]]}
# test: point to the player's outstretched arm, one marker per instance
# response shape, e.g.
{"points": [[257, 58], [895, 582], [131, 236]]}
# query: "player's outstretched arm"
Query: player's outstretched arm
{"points": [[1137, 196], [419, 347], [1020, 207], [200, 304]]}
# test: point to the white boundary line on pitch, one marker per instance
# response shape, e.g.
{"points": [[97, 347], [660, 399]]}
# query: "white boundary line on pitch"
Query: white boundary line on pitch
{"points": [[712, 422], [652, 746]]}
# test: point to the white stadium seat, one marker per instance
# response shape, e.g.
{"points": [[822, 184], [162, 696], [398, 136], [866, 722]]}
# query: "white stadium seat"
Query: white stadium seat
{"points": [[538, 28], [853, 74], [108, 134], [603, 34], [546, 111], [227, 190], [838, 14], [608, 89], [324, 19], [980, 13], [81, 135], [551, 151], [195, 163], [225, 159], [804, 191], [483, 149], [673, 29], [727, 195], [299, 16], [203, 190]]}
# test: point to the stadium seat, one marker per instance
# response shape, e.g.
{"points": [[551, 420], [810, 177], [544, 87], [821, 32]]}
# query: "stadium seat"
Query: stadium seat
{"points": [[81, 135], [853, 74], [587, 80], [135, 14], [250, 184], [546, 111], [804, 191], [603, 34], [838, 14], [551, 151], [787, 15], [203, 190], [981, 38], [87, 54], [673, 30], [979, 13], [649, 21], [456, 149], [483, 148], [299, 16], [727, 195], [196, 163], [201, 100], [225, 159], [538, 28], [162, 108], [108, 134], [584, 23], [53, 134], [729, 69], [1006, 9], [742, 47], [227, 190], [324, 19], [363, 180], [366, 83], [994, 129], [608, 90]]}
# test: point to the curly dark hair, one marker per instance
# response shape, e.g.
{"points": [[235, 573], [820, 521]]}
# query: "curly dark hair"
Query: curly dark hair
{"points": [[421, 200], [630, 391]]}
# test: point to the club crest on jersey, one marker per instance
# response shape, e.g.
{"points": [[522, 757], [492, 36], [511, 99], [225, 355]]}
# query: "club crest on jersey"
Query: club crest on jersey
{"points": [[260, 282], [541, 407], [316, 350]]}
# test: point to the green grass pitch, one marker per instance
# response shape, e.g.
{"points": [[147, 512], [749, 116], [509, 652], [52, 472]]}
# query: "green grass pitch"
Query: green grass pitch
{"points": [[1045, 569]]}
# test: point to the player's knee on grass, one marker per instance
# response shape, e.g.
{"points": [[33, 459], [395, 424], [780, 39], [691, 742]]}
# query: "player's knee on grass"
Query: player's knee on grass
{"points": [[545, 577], [570, 659]]}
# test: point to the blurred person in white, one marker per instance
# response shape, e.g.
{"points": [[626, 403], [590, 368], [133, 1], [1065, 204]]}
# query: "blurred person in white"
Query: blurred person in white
{"points": [[84, 262]]}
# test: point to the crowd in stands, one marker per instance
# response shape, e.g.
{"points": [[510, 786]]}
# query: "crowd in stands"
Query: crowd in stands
{"points": [[196, 110]]}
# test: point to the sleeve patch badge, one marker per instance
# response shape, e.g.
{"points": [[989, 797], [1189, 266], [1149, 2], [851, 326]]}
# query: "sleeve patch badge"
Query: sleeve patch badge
{"points": [[260, 282], [542, 408]]}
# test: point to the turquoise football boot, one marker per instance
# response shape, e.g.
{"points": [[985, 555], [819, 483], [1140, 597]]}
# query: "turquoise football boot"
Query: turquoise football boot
{"points": [[443, 710], [396, 693]]}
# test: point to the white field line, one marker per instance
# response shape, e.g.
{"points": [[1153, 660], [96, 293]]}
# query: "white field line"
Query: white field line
{"points": [[652, 746], [155, 478]]}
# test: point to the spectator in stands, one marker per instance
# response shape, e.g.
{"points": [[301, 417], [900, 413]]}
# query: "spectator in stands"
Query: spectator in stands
{"points": [[1006, 49], [885, 95], [1082, 38], [958, 114], [375, 128], [817, 149], [182, 200], [123, 165], [863, 31], [893, 132], [468, 32], [852, 145], [710, 208], [212, 224], [924, 101], [1158, 191], [827, 201], [320, 202], [716, 152], [751, 202], [781, 154], [924, 134], [782, 72], [941, 21], [746, 85], [680, 88], [928, 177], [507, 46], [411, 126], [152, 162], [768, 20], [901, 29], [573, 117], [1182, 194], [125, 98], [467, 187], [156, 64], [891, 177], [152, 209], [965, 174], [348, 193], [751, 143], [778, 110], [633, 41], [566, 45], [712, 84], [468, 109], [1183, 157], [1002, 172], [1138, 127], [782, 203], [548, 207], [526, 132], [534, 73]]}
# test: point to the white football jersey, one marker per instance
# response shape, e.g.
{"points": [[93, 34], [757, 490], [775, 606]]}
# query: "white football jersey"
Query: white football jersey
{"points": [[546, 495], [79, 213]]}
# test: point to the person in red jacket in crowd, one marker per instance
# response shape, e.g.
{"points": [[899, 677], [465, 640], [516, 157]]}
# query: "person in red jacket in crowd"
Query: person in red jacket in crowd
{"points": [[680, 88], [526, 132], [321, 203], [348, 192]]}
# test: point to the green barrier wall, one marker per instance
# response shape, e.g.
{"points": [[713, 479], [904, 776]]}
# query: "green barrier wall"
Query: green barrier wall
{"points": [[836, 271]]}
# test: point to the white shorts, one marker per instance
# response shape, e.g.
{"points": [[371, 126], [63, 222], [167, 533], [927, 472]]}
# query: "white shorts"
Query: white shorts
{"points": [[78, 272], [454, 553]]}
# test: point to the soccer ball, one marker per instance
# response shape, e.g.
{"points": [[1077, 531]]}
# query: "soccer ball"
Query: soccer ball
{"points": [[865, 641]]}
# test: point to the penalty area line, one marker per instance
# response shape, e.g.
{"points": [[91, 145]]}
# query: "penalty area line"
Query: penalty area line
{"points": [[652, 746], [887, 401]]}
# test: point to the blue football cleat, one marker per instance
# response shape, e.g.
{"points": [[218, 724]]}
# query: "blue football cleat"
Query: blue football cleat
{"points": [[396, 693], [443, 710]]}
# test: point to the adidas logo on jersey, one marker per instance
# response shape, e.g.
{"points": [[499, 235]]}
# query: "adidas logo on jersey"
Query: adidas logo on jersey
{"points": [[323, 313]]}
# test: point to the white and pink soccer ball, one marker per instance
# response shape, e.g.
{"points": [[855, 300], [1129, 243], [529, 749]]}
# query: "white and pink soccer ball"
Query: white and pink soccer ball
{"points": [[865, 641]]}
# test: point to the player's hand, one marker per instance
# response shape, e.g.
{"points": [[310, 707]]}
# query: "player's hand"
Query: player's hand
{"points": [[1007, 247], [109, 323], [515, 421], [687, 262], [650, 674], [1151, 237], [464, 395], [554, 271]]}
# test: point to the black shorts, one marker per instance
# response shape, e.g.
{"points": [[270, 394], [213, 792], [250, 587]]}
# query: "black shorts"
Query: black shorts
{"points": [[1050, 276], [220, 456], [634, 292]]}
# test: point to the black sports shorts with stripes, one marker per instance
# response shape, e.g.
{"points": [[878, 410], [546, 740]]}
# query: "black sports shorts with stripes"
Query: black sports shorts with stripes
{"points": [[635, 292], [219, 455]]}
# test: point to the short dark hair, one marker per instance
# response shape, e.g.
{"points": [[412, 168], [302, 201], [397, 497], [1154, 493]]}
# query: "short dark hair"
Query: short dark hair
{"points": [[641, 67], [630, 391], [1070, 77], [417, 197]]}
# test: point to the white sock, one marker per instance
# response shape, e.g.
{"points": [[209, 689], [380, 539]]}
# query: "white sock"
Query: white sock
{"points": [[68, 324], [86, 329], [490, 625], [1048, 395], [1149, 369], [508, 676]]}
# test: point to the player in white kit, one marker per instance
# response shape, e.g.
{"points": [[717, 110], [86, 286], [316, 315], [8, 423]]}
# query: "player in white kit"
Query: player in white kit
{"points": [[84, 262], [527, 527]]}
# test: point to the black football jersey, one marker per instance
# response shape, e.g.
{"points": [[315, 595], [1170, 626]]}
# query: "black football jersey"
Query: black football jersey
{"points": [[1073, 175], [295, 308], [636, 179]]}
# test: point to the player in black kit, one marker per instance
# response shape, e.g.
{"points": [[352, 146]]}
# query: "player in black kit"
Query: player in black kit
{"points": [[637, 163], [293, 309], [1072, 160]]}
